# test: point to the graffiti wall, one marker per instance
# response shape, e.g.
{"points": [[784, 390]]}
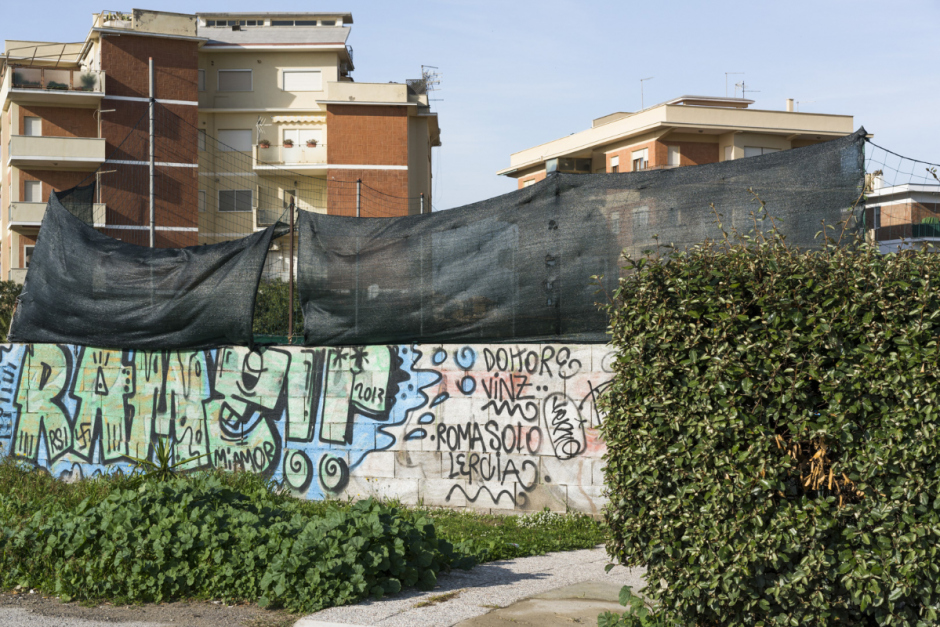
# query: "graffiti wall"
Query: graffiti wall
{"points": [[509, 427]]}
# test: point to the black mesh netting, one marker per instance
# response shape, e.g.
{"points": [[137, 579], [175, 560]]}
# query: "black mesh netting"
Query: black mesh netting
{"points": [[519, 267], [87, 288]]}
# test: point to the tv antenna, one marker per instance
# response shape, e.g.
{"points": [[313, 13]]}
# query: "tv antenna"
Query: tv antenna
{"points": [[804, 102], [260, 124], [431, 76], [744, 90], [642, 80], [726, 83]]}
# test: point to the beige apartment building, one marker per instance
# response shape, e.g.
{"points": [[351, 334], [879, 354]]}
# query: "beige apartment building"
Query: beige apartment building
{"points": [[274, 89], [691, 130]]}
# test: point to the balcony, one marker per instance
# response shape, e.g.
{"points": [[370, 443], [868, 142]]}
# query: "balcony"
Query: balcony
{"points": [[52, 86], [29, 214], [56, 153], [289, 157]]}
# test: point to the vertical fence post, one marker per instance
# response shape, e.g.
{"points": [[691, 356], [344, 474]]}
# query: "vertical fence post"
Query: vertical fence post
{"points": [[290, 285], [422, 202], [358, 198], [152, 211]]}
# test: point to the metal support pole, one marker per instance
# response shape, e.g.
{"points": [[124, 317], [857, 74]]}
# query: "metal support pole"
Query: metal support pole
{"points": [[358, 198], [290, 284], [153, 226], [422, 202]]}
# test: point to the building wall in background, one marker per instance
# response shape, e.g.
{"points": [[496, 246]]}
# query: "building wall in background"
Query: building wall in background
{"points": [[495, 427]]}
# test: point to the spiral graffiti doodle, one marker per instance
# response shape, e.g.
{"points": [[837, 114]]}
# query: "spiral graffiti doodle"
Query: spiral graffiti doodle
{"points": [[298, 470], [334, 473]]}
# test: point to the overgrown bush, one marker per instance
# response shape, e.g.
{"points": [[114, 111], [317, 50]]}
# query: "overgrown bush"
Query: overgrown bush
{"points": [[773, 433], [9, 292], [196, 536]]}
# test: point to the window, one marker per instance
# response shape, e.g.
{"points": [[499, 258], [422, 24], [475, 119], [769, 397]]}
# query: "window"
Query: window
{"points": [[756, 151], [253, 23], [32, 191], [528, 183], [615, 164], [728, 150], [27, 255], [236, 139], [235, 200], [305, 22], [32, 126], [328, 23], [202, 139], [300, 137], [640, 159], [210, 22], [302, 80], [282, 22], [876, 218], [202, 80], [202, 201], [673, 155], [235, 80]]}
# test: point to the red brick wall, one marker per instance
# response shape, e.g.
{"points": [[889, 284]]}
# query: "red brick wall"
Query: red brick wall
{"points": [[125, 61], [384, 193], [538, 176], [626, 156], [367, 135], [126, 191], [52, 180], [690, 153], [61, 121]]}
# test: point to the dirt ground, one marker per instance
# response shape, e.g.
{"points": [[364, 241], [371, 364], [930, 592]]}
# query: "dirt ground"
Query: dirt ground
{"points": [[189, 613]]}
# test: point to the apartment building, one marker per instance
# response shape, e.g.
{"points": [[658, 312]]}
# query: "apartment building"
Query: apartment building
{"points": [[275, 89], [901, 216], [690, 130]]}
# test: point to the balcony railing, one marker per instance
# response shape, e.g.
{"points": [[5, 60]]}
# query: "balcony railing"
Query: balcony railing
{"points": [[289, 155], [52, 79], [924, 230], [30, 214], [55, 152]]}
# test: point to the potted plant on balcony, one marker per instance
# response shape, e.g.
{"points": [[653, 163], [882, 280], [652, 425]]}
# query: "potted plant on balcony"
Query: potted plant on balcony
{"points": [[264, 143], [312, 143], [288, 143], [89, 81]]}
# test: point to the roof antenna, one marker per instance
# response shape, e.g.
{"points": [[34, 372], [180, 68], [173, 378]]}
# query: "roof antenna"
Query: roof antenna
{"points": [[726, 83], [641, 90], [744, 90]]}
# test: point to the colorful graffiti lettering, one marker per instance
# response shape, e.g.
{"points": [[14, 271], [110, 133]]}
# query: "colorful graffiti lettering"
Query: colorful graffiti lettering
{"points": [[479, 426]]}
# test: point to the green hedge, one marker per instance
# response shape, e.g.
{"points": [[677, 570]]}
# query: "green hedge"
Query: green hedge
{"points": [[773, 434]]}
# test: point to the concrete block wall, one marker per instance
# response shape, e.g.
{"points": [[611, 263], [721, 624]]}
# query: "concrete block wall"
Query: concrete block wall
{"points": [[493, 427]]}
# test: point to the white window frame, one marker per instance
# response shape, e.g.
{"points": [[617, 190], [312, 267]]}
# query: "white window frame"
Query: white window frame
{"points": [[26, 129], [225, 147], [251, 78], [642, 155], [201, 82], [300, 70], [615, 164], [27, 185], [251, 201], [31, 248], [298, 142], [673, 151]]}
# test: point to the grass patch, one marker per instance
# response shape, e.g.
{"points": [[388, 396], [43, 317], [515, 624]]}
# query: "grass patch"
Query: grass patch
{"points": [[434, 599]]}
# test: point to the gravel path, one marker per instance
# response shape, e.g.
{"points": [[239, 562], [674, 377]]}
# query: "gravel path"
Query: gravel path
{"points": [[486, 587], [14, 617]]}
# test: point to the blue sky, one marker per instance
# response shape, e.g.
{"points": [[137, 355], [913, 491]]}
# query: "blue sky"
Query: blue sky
{"points": [[520, 73]]}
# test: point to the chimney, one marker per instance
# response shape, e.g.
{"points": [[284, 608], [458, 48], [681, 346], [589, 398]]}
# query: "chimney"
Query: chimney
{"points": [[790, 104]]}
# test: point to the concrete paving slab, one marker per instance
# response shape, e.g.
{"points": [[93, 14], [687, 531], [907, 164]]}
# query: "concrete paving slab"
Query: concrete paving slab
{"points": [[489, 588]]}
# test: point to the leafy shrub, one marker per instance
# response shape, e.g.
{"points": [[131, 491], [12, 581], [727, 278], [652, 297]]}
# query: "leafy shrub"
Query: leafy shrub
{"points": [[638, 616], [271, 309], [9, 292], [773, 434], [197, 537]]}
